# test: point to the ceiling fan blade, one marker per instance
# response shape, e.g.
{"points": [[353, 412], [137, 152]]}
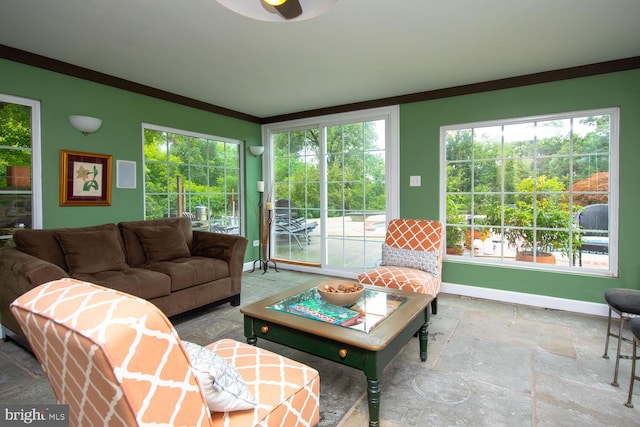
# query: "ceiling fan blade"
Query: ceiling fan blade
{"points": [[289, 9]]}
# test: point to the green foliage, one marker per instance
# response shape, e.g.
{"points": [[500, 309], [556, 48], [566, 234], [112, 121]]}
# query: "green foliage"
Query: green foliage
{"points": [[454, 233], [552, 219], [15, 132], [201, 172], [354, 165], [497, 159]]}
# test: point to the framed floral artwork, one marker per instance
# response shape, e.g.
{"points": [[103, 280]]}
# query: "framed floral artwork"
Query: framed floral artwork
{"points": [[85, 179]]}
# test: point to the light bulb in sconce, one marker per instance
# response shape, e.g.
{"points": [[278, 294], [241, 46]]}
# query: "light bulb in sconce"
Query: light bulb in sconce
{"points": [[85, 124], [256, 150]]}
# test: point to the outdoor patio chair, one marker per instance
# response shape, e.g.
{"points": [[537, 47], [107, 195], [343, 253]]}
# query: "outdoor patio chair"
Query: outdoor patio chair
{"points": [[289, 223], [411, 258], [594, 225], [116, 360]]}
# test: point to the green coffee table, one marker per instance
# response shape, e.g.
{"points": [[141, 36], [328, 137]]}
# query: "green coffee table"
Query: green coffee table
{"points": [[366, 336]]}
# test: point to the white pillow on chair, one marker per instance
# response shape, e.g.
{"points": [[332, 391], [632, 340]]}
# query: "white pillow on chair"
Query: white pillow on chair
{"points": [[422, 260], [224, 388]]}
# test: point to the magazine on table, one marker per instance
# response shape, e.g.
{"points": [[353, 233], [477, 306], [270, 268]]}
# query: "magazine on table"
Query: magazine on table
{"points": [[325, 312], [364, 315]]}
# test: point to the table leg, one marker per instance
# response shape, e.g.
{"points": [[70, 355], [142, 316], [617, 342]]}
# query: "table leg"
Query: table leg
{"points": [[373, 396], [423, 336], [249, 333]]}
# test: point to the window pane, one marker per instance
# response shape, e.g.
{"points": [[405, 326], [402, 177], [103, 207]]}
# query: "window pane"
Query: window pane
{"points": [[459, 144], [522, 187], [487, 142], [519, 140], [195, 177], [15, 169]]}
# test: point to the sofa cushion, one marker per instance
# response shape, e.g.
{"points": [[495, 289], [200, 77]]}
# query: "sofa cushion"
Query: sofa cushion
{"points": [[187, 272], [163, 243], [140, 282], [88, 252], [44, 245], [133, 248]]}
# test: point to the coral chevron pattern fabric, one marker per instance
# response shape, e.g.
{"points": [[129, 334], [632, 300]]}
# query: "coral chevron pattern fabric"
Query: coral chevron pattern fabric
{"points": [[115, 359], [287, 392], [409, 234]]}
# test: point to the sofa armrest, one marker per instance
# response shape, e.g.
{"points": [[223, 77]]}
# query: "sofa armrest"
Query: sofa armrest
{"points": [[21, 272], [227, 247]]}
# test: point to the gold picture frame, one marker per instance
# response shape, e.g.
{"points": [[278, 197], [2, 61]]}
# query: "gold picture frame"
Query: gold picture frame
{"points": [[85, 179]]}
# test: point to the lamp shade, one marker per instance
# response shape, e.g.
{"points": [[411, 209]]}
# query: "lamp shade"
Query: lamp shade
{"points": [[256, 150], [85, 124]]}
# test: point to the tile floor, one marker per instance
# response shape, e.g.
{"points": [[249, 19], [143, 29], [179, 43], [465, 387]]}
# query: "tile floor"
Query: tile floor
{"points": [[490, 364]]}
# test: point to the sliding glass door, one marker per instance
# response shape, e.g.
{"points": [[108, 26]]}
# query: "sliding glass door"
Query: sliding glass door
{"points": [[296, 190], [331, 190]]}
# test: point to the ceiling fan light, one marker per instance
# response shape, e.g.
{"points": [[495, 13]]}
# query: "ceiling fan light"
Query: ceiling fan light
{"points": [[274, 2], [262, 10]]}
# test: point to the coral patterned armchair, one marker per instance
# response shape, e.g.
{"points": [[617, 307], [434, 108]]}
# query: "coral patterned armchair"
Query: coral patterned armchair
{"points": [[116, 360], [411, 258]]}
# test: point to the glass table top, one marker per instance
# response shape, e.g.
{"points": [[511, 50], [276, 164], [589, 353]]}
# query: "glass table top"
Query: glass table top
{"points": [[364, 315]]}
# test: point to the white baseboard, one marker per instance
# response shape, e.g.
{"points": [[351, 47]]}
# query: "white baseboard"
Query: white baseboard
{"points": [[527, 299]]}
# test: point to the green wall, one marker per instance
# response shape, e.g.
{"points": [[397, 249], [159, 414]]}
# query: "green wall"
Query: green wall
{"points": [[420, 124], [122, 114]]}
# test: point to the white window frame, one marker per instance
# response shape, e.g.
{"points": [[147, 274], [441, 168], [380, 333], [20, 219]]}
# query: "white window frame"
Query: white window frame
{"points": [[614, 113]]}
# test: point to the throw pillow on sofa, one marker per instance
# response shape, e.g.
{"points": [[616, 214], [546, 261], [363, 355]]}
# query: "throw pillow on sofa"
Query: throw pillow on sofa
{"points": [[163, 243], [224, 388], [90, 252]]}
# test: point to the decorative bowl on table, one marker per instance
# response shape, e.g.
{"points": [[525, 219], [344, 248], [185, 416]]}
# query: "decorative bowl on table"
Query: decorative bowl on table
{"points": [[341, 292]]}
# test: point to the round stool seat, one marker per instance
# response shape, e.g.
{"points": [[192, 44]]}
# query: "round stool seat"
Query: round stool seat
{"points": [[623, 300], [634, 325]]}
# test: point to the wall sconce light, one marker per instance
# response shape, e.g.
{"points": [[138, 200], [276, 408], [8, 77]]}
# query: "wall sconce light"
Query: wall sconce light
{"points": [[85, 124], [256, 150]]}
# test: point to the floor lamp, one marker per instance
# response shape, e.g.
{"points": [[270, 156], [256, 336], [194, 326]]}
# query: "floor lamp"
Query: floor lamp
{"points": [[264, 252]]}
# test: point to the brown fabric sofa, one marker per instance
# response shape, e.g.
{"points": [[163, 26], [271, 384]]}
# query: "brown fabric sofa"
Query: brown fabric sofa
{"points": [[162, 261]]}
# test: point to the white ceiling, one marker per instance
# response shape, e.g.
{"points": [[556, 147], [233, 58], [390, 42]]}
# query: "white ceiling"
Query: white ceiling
{"points": [[360, 50]]}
